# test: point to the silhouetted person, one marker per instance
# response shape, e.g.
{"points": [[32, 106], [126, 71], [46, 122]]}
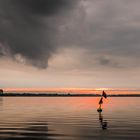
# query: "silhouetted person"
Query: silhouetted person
{"points": [[103, 123], [104, 95]]}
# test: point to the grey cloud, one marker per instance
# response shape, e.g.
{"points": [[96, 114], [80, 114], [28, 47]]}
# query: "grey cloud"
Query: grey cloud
{"points": [[109, 28], [104, 61], [42, 7], [25, 29], [34, 29]]}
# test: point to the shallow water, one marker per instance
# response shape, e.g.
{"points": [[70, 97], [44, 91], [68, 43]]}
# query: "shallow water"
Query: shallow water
{"points": [[69, 118]]}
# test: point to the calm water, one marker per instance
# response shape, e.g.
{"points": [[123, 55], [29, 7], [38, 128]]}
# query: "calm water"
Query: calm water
{"points": [[69, 118]]}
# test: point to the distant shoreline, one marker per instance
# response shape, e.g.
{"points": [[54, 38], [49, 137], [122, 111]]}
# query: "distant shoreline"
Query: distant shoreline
{"points": [[64, 95]]}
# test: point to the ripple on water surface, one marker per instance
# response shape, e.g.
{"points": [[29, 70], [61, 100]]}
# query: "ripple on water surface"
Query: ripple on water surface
{"points": [[69, 119]]}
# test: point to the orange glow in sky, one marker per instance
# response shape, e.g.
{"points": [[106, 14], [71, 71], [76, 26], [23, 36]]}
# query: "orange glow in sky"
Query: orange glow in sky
{"points": [[73, 90]]}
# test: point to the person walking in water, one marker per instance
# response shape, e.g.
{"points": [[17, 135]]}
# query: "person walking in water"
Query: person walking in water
{"points": [[104, 95]]}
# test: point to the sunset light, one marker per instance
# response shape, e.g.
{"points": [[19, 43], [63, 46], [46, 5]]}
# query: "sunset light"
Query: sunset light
{"points": [[70, 69]]}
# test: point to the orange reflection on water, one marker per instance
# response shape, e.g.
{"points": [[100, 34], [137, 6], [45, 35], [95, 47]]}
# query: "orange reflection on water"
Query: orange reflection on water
{"points": [[73, 101], [68, 103], [38, 107]]}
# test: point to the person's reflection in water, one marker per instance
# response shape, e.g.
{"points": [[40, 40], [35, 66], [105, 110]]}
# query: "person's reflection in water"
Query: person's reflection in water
{"points": [[102, 121], [1, 103]]}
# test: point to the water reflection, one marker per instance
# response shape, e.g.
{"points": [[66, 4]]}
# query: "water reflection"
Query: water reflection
{"points": [[35, 131], [1, 103], [104, 123], [68, 119]]}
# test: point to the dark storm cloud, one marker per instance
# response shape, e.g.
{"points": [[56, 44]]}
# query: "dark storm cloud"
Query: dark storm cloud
{"points": [[43, 7], [25, 32], [108, 31]]}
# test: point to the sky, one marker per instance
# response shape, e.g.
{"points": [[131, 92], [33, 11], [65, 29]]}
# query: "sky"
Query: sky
{"points": [[69, 43]]}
